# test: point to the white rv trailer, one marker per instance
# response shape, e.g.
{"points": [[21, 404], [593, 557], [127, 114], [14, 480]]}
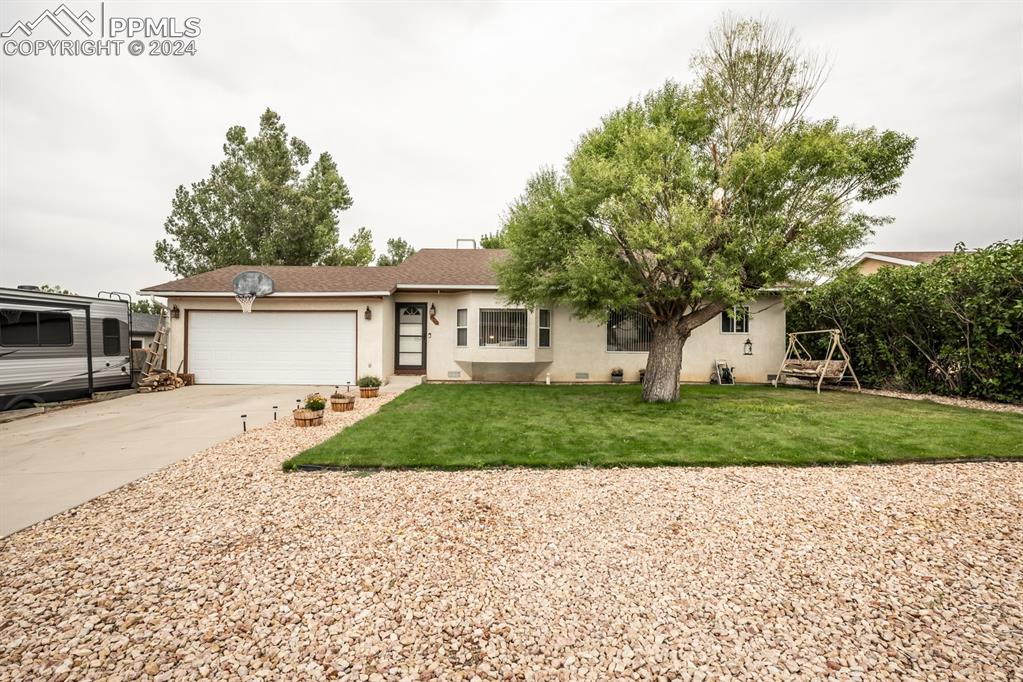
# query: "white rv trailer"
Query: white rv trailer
{"points": [[59, 347]]}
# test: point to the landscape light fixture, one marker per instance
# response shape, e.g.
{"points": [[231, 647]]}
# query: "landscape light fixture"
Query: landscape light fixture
{"points": [[747, 348]]}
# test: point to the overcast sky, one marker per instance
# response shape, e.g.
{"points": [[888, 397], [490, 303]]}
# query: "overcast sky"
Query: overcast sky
{"points": [[438, 113]]}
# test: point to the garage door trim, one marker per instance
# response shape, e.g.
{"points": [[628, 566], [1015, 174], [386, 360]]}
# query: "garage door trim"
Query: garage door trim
{"points": [[238, 311]]}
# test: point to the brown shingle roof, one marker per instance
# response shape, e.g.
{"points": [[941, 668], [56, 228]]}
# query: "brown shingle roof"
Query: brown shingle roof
{"points": [[443, 267], [293, 278], [915, 256], [450, 267]]}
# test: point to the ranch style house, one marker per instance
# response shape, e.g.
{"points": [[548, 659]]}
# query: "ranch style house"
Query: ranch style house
{"points": [[439, 315]]}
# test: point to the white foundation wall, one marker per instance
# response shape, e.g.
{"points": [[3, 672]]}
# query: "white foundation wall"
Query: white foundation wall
{"points": [[370, 349], [579, 347]]}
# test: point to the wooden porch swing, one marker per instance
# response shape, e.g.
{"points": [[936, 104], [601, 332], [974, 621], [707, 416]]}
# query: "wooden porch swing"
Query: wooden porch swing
{"points": [[799, 363]]}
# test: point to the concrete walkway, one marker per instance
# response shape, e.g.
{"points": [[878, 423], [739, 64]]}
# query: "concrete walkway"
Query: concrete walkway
{"points": [[58, 460]]}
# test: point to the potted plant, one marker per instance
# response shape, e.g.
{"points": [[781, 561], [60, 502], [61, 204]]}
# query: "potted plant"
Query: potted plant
{"points": [[341, 402], [311, 414], [369, 386], [616, 375]]}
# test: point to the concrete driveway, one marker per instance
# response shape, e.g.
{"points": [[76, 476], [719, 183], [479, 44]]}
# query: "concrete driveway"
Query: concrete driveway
{"points": [[58, 460]]}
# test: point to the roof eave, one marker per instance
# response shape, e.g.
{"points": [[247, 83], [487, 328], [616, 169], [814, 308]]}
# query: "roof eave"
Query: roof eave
{"points": [[277, 294]]}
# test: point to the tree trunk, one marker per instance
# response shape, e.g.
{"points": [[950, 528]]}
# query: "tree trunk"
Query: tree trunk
{"points": [[660, 384]]}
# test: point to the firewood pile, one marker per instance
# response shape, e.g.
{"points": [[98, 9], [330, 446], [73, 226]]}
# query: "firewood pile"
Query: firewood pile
{"points": [[164, 380]]}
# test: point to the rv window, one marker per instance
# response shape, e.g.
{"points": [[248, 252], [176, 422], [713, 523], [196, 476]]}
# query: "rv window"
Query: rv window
{"points": [[54, 329], [111, 336], [18, 328]]}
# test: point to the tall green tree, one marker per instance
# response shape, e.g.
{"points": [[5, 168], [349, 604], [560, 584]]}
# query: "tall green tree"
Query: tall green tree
{"points": [[147, 306], [264, 204], [493, 240], [689, 200], [358, 252], [397, 251]]}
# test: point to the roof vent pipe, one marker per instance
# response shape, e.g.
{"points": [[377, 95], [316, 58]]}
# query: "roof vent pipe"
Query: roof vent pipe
{"points": [[459, 242]]}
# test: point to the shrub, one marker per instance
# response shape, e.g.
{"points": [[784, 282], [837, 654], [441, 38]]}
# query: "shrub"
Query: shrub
{"points": [[369, 382], [953, 327]]}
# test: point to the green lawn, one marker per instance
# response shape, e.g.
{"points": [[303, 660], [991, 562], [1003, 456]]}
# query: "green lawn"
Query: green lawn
{"points": [[449, 426]]}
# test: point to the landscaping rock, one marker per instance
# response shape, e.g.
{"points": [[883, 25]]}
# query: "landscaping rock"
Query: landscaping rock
{"points": [[225, 567]]}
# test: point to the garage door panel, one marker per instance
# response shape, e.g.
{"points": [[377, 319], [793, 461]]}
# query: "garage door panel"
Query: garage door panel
{"points": [[272, 348]]}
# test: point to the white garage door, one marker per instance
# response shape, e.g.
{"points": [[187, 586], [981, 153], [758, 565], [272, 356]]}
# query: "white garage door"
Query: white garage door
{"points": [[271, 348]]}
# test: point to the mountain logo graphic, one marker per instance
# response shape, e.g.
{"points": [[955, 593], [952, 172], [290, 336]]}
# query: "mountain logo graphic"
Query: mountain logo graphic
{"points": [[54, 18]]}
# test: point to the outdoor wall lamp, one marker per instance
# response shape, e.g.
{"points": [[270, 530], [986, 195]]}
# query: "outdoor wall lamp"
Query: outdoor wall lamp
{"points": [[175, 312], [433, 310], [368, 314], [747, 348]]}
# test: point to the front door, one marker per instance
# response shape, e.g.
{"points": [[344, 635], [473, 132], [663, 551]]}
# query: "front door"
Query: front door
{"points": [[410, 346]]}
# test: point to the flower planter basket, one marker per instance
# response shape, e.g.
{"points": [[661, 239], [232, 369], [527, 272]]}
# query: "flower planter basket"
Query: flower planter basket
{"points": [[305, 417], [369, 391], [342, 404]]}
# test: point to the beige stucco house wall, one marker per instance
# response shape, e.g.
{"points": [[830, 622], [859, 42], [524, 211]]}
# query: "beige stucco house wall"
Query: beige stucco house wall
{"points": [[579, 347]]}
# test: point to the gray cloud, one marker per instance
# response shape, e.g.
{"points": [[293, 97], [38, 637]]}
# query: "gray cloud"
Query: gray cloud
{"points": [[437, 114]]}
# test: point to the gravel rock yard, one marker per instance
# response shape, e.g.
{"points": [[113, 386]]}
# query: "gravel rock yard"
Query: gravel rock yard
{"points": [[223, 566]]}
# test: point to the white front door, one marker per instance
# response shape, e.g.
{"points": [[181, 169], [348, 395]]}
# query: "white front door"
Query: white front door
{"points": [[272, 347]]}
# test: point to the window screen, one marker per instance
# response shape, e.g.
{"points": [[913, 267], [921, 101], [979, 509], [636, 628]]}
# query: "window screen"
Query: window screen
{"points": [[111, 336]]}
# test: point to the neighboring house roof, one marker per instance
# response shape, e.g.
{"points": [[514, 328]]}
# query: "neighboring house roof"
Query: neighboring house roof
{"points": [[144, 324], [909, 258]]}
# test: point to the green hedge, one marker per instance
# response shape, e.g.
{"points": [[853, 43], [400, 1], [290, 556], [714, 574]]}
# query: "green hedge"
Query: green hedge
{"points": [[954, 327]]}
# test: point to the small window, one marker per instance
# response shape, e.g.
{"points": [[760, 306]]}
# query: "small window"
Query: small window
{"points": [[19, 328], [506, 328], [735, 321], [628, 331], [111, 336], [136, 344], [462, 327], [545, 329]]}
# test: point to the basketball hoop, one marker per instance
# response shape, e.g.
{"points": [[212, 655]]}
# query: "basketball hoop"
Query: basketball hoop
{"points": [[250, 284], [245, 301]]}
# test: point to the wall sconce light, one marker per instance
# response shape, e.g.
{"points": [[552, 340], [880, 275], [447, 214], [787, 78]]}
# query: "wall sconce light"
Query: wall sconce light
{"points": [[433, 310], [747, 348], [368, 314], [175, 312]]}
